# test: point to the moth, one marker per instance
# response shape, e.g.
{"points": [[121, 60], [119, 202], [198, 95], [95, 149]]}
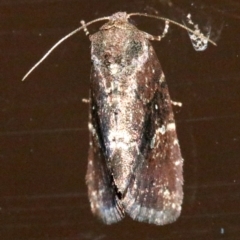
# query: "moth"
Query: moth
{"points": [[134, 160]]}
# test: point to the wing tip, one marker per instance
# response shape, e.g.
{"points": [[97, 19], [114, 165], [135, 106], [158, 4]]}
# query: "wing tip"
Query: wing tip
{"points": [[168, 214], [108, 215]]}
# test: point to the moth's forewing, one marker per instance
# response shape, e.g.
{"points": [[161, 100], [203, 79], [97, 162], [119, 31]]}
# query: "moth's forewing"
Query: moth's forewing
{"points": [[155, 192], [102, 194]]}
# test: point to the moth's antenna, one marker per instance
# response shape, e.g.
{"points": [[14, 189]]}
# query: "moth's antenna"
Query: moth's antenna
{"points": [[60, 41], [175, 23], [196, 33]]}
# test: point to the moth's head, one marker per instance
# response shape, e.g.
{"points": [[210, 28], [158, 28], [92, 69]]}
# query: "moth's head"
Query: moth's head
{"points": [[118, 20], [119, 16]]}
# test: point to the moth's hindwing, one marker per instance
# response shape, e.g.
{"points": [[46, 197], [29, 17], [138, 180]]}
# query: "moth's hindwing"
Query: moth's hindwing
{"points": [[155, 194], [102, 194]]}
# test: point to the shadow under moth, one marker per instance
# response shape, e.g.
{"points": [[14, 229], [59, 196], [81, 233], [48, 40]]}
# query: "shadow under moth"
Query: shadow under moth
{"points": [[134, 160]]}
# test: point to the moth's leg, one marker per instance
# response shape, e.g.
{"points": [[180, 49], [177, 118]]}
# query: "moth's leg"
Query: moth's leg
{"points": [[179, 104], [84, 27], [158, 38], [86, 100]]}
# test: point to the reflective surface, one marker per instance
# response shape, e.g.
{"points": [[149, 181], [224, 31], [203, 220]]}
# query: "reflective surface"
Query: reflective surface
{"points": [[43, 121]]}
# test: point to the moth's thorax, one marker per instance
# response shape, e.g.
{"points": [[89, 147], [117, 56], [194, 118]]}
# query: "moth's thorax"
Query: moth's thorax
{"points": [[117, 46]]}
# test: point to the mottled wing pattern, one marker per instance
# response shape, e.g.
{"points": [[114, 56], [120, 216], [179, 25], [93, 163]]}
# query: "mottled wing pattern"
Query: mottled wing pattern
{"points": [[155, 192], [101, 190]]}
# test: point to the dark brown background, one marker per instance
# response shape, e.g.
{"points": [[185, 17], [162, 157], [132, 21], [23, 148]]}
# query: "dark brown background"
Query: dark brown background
{"points": [[43, 122]]}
